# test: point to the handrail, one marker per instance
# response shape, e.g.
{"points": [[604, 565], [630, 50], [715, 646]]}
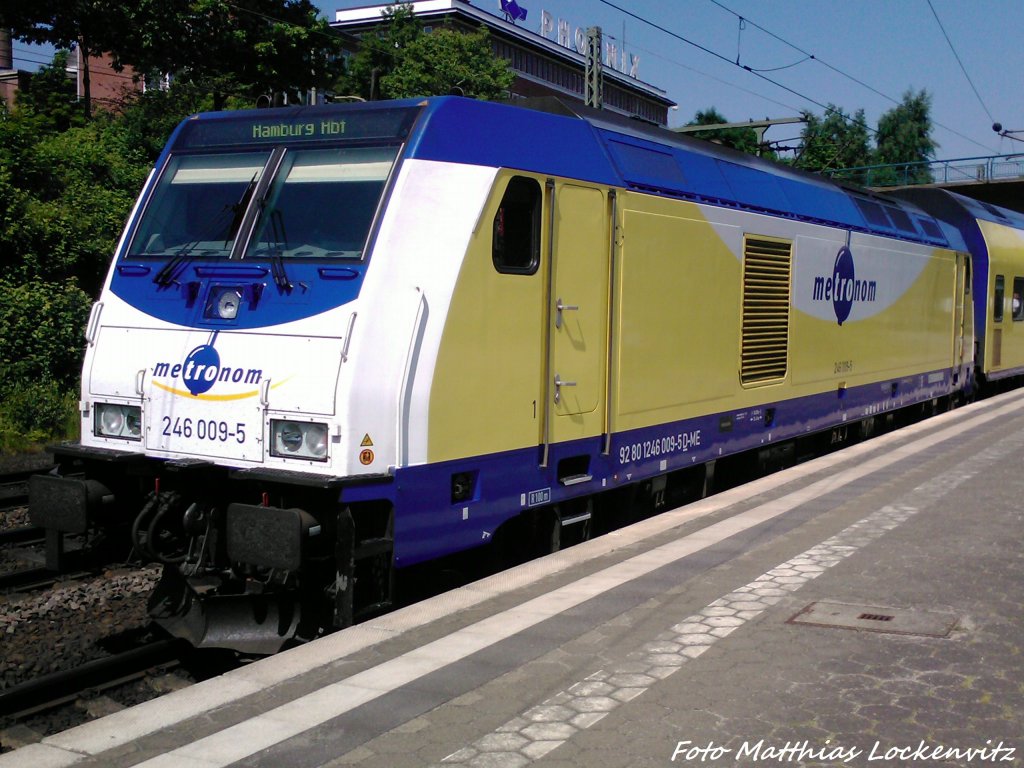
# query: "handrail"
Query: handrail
{"points": [[964, 169]]}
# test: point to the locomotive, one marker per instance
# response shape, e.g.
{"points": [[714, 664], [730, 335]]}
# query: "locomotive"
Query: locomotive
{"points": [[337, 342]]}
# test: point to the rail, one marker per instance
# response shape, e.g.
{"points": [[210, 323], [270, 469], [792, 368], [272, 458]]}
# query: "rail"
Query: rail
{"points": [[57, 688], [963, 170]]}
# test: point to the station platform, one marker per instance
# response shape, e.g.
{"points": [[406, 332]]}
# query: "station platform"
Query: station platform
{"points": [[865, 608]]}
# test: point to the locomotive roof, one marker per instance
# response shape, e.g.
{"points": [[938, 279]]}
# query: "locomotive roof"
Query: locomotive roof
{"points": [[958, 209], [551, 137]]}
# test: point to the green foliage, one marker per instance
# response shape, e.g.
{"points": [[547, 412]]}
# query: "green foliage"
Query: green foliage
{"points": [[66, 188], [400, 60], [33, 413], [379, 53], [41, 327], [904, 136], [229, 50], [67, 182], [64, 198], [91, 25], [148, 119], [837, 141], [448, 62], [222, 47], [40, 357], [51, 97], [742, 139]]}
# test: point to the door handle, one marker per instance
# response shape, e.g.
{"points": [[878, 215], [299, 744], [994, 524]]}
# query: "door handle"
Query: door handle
{"points": [[558, 387], [560, 308]]}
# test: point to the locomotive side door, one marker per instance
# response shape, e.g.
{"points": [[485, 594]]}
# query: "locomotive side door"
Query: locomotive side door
{"points": [[578, 306]]}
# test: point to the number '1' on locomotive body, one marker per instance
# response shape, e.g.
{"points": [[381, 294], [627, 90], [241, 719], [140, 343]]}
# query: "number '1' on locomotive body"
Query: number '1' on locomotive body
{"points": [[340, 341]]}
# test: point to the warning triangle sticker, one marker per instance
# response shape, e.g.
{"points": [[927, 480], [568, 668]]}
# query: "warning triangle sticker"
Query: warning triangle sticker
{"points": [[366, 440]]}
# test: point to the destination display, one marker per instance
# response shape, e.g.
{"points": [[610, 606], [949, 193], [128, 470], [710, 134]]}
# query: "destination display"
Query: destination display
{"points": [[312, 125]]}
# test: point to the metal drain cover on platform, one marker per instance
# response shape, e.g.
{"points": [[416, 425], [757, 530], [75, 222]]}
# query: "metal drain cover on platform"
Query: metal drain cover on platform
{"points": [[873, 618]]}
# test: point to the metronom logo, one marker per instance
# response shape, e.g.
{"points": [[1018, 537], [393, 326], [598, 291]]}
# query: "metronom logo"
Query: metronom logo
{"points": [[202, 369], [842, 288]]}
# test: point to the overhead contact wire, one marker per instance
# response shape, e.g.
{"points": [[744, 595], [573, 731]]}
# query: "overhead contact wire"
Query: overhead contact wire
{"points": [[856, 80]]}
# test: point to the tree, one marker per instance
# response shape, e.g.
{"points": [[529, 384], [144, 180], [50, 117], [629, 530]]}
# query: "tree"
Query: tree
{"points": [[51, 97], [66, 187], [742, 139], [244, 49], [64, 194], [148, 118], [449, 62], [400, 60], [834, 142], [904, 136], [259, 47], [380, 52]]}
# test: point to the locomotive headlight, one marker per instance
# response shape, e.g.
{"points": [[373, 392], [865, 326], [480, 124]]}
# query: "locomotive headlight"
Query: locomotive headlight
{"points": [[298, 440], [223, 303], [316, 440], [227, 304], [133, 421], [289, 437], [121, 421]]}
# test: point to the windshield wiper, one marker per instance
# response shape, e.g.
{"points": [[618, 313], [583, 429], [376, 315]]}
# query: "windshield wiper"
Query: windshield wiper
{"points": [[168, 274], [239, 209], [276, 259]]}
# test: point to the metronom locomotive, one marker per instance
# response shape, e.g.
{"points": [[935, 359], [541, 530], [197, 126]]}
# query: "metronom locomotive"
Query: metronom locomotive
{"points": [[340, 341]]}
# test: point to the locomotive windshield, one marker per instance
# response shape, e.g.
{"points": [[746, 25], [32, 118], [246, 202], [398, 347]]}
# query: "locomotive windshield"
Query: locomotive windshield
{"points": [[318, 203], [322, 202], [285, 185], [198, 205]]}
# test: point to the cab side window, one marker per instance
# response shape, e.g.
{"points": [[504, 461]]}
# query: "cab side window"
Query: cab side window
{"points": [[516, 235], [1017, 306], [997, 300]]}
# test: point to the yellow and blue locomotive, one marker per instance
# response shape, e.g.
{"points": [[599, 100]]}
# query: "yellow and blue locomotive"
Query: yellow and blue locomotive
{"points": [[340, 341]]}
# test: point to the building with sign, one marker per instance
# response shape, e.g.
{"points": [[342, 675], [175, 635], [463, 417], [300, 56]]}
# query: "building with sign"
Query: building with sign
{"points": [[546, 53], [107, 86]]}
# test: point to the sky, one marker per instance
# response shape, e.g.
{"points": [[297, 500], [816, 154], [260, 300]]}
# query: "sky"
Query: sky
{"points": [[867, 55]]}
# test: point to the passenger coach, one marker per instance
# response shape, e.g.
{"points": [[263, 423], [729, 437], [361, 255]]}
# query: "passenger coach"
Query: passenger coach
{"points": [[995, 237]]}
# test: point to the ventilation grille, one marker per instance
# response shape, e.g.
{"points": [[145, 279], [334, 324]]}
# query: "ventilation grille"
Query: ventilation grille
{"points": [[766, 271]]}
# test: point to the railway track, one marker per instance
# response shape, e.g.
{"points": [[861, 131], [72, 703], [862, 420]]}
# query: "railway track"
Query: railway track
{"points": [[22, 534], [19, 540], [35, 577], [14, 489], [73, 639], [23, 542], [58, 688]]}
